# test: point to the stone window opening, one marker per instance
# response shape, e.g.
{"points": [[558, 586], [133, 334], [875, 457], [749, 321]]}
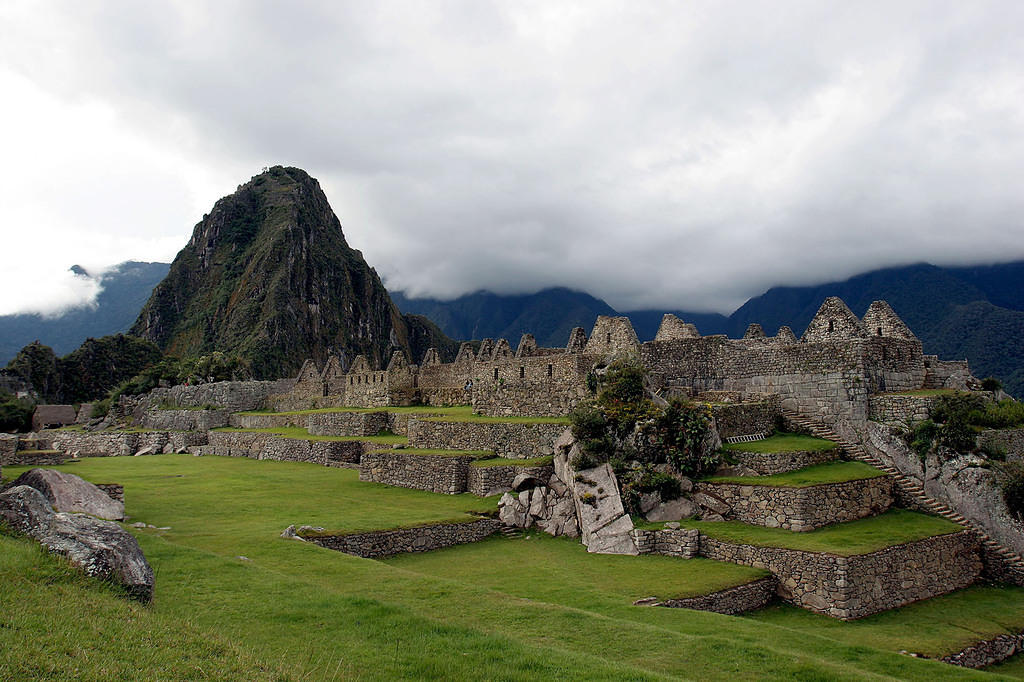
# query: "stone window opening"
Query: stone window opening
{"points": [[831, 326], [495, 373], [879, 331], [608, 337], [549, 370], [522, 372]]}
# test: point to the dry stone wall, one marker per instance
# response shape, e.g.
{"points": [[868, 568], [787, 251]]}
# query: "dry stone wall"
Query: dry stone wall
{"points": [[378, 544], [347, 423], [267, 421], [746, 418], [900, 409], [858, 586], [683, 543], [485, 481], [730, 601], [34, 458], [123, 443], [185, 420], [274, 447], [803, 509], [436, 473], [506, 439], [769, 463], [988, 652], [236, 396], [1010, 441]]}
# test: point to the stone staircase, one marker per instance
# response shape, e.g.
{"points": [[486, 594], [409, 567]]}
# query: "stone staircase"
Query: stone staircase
{"points": [[1012, 563]]}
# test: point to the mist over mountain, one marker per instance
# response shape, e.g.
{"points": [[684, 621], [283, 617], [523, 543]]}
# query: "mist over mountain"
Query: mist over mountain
{"points": [[124, 290]]}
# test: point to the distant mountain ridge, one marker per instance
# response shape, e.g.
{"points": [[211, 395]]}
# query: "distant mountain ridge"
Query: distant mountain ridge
{"points": [[963, 312], [125, 288]]}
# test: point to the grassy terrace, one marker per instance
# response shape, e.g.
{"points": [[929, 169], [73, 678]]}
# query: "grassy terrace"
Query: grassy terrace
{"points": [[482, 419], [235, 601], [417, 409], [896, 526], [298, 433], [509, 461], [829, 472], [783, 442], [477, 454]]}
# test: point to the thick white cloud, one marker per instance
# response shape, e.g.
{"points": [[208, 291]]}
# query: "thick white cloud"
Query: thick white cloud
{"points": [[657, 155]]}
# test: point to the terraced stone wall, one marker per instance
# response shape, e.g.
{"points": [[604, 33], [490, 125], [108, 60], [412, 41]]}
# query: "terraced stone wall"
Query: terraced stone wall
{"points": [[436, 473], [185, 420], [683, 543], [494, 480], [267, 421], [730, 601], [900, 409], [513, 440], [271, 446], [378, 544], [119, 444], [803, 509], [41, 458], [1010, 441], [236, 396], [769, 463], [347, 423], [746, 418], [853, 587]]}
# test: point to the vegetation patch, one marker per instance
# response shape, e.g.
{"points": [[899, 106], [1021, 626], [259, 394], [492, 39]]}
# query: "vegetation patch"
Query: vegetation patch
{"points": [[783, 442], [895, 527], [818, 474]]}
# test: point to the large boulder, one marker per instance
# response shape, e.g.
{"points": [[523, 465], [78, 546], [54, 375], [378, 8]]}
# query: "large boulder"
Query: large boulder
{"points": [[69, 493], [102, 549]]}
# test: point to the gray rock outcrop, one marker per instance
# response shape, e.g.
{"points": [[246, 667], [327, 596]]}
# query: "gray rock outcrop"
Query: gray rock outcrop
{"points": [[69, 493], [101, 548]]}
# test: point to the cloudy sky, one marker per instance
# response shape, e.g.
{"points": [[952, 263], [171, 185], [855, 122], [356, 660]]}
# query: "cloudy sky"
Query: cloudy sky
{"points": [[655, 154]]}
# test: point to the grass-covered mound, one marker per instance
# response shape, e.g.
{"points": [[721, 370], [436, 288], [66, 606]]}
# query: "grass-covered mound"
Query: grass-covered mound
{"points": [[226, 578], [829, 472], [895, 527], [783, 442]]}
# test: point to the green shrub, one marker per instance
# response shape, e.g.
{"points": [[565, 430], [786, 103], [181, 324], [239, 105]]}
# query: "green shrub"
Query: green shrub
{"points": [[993, 451], [991, 384], [680, 432], [15, 414]]}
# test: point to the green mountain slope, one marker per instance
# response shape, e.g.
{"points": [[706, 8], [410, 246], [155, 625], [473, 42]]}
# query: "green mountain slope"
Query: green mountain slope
{"points": [[268, 275]]}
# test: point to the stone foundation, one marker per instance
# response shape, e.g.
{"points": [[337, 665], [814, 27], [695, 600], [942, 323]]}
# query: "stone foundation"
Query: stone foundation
{"points": [[803, 509], [856, 586], [730, 601], [385, 543], [121, 443], [274, 447], [267, 421], [506, 439], [746, 418]]}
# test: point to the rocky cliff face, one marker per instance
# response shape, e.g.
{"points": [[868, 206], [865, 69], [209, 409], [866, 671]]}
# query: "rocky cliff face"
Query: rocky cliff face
{"points": [[268, 275]]}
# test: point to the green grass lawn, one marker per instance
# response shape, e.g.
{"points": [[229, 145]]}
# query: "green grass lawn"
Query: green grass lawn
{"points": [[482, 419], [299, 433], [829, 472], [417, 409], [894, 527], [235, 601], [783, 442]]}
